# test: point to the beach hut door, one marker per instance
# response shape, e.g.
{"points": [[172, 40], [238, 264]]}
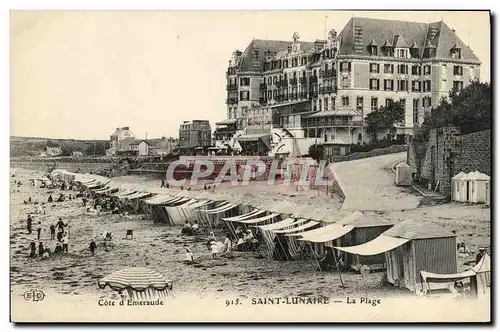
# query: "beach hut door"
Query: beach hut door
{"points": [[467, 192]]}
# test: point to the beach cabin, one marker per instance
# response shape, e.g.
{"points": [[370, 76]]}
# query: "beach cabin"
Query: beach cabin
{"points": [[478, 185], [458, 188], [411, 247], [403, 174]]}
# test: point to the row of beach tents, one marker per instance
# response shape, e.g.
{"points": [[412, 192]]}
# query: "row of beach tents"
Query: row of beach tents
{"points": [[406, 249]]}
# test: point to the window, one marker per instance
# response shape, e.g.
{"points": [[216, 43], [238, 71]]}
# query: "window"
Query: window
{"points": [[458, 85], [402, 69], [345, 66], [373, 50], [374, 68], [374, 103], [388, 85], [245, 81], [388, 101], [326, 104], [320, 106], [244, 95], [414, 52], [269, 95], [426, 102], [333, 103], [427, 69], [345, 101], [389, 69], [255, 54], [427, 86], [402, 102], [415, 110], [416, 70], [402, 85], [402, 53], [275, 94], [359, 104], [458, 70], [275, 80], [374, 84], [415, 86], [269, 81], [388, 51], [456, 53]]}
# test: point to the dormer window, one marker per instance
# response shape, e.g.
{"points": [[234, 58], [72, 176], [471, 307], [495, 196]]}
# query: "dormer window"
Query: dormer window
{"points": [[456, 52], [430, 50], [402, 53], [388, 49], [414, 51], [255, 54], [373, 47]]}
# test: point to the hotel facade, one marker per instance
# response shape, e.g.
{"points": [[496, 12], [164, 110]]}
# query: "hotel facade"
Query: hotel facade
{"points": [[283, 96]]}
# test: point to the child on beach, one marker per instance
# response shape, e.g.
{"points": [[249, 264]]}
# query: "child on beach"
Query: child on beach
{"points": [[39, 230], [52, 232], [189, 255], [65, 241]]}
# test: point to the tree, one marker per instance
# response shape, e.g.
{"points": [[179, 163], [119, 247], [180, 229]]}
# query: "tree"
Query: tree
{"points": [[385, 119], [469, 109], [316, 152]]}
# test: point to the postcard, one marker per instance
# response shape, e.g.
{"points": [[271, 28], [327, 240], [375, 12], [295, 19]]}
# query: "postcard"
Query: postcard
{"points": [[250, 166]]}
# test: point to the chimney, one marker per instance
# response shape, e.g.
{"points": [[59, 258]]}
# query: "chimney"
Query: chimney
{"points": [[319, 44]]}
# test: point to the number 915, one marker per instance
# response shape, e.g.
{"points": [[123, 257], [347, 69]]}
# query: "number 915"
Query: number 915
{"points": [[232, 302]]}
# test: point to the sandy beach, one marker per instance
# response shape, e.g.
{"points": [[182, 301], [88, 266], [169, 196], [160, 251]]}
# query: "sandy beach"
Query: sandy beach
{"points": [[162, 248]]}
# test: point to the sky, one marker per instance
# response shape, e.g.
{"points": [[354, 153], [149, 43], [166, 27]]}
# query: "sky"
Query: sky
{"points": [[81, 74]]}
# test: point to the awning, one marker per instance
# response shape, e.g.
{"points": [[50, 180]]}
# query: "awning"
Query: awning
{"points": [[445, 278], [252, 137], [226, 122], [290, 227], [170, 200], [256, 220], [198, 204], [277, 225], [381, 244], [291, 231], [244, 216], [483, 266], [220, 209], [180, 201], [97, 185], [127, 195], [316, 231], [138, 195], [157, 198], [120, 192], [330, 235]]}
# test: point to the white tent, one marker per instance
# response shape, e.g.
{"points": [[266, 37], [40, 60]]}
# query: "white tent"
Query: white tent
{"points": [[477, 184], [403, 174], [458, 190]]}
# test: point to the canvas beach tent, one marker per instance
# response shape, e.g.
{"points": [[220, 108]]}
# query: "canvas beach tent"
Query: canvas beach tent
{"points": [[458, 188], [410, 247]]}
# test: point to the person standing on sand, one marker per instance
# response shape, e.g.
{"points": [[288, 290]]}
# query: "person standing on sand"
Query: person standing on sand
{"points": [[189, 255], [50, 199], [58, 250], [32, 249], [65, 242], [52, 232], [60, 225], [92, 246], [41, 249], [162, 184], [28, 223], [39, 231]]}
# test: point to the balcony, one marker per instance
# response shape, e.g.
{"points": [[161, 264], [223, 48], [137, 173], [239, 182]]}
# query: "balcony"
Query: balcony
{"points": [[281, 84], [303, 95], [302, 80], [263, 86], [329, 122], [293, 81], [327, 89], [231, 100], [232, 87]]}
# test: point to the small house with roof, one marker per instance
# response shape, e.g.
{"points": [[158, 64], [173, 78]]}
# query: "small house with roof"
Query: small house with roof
{"points": [[409, 248]]}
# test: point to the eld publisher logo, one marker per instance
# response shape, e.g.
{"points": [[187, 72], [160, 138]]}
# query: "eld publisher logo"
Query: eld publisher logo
{"points": [[34, 295]]}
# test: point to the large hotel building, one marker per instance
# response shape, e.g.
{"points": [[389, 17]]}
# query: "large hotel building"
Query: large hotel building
{"points": [[283, 96]]}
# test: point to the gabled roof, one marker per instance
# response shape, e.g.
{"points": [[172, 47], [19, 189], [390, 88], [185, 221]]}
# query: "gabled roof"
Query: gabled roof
{"points": [[380, 31], [414, 230], [247, 63], [389, 33], [399, 41]]}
